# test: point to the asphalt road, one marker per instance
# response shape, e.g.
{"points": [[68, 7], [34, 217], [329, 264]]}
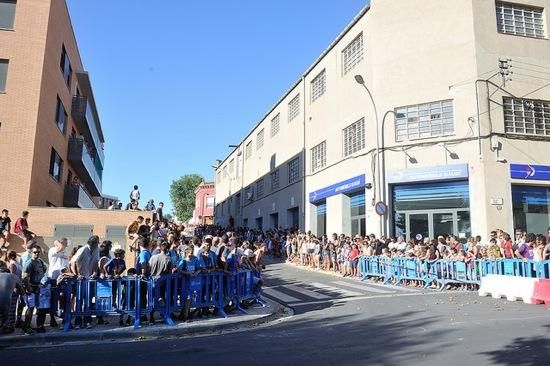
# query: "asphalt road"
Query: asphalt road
{"points": [[342, 322]]}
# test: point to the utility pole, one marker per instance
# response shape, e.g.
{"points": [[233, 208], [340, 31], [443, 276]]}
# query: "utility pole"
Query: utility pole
{"points": [[504, 65]]}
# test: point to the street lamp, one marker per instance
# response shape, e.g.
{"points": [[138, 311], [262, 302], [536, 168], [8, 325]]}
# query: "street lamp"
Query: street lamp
{"points": [[359, 79]]}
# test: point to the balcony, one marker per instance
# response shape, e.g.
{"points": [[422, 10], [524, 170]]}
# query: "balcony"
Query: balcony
{"points": [[76, 196], [83, 116], [84, 166]]}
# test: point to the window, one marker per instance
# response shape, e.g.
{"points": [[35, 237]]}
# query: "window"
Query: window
{"points": [[352, 54], [275, 125], [65, 66], [275, 180], [260, 139], [354, 137], [238, 204], [424, 120], [60, 116], [260, 188], [294, 108], [293, 170], [520, 20], [3, 74], [526, 116], [231, 166], [318, 157], [224, 170], [218, 176], [209, 201], [318, 86], [56, 165], [7, 13], [248, 150]]}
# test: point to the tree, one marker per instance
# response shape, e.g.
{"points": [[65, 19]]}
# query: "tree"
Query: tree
{"points": [[182, 195]]}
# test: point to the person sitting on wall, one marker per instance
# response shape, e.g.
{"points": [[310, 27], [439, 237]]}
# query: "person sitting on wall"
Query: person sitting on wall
{"points": [[21, 228], [132, 232]]}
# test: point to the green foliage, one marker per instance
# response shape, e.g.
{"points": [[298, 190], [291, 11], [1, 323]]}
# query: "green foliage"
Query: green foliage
{"points": [[182, 195]]}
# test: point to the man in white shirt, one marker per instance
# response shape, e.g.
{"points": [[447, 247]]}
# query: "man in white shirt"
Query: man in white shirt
{"points": [[58, 260], [134, 195]]}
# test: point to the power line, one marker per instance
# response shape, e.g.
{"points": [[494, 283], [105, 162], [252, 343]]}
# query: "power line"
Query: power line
{"points": [[532, 76], [526, 69], [534, 65]]}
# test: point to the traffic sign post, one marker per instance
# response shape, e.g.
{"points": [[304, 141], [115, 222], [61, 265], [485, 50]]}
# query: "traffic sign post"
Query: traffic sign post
{"points": [[381, 208]]}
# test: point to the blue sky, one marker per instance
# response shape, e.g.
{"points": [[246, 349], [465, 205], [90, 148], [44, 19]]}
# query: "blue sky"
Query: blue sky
{"points": [[176, 81]]}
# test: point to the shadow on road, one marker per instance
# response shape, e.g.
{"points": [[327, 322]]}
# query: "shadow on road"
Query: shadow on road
{"points": [[522, 351]]}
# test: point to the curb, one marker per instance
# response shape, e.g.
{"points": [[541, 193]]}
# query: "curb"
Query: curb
{"points": [[147, 332]]}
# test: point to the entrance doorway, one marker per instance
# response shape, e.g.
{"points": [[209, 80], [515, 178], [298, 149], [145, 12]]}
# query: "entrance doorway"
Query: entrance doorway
{"points": [[259, 223], [293, 217], [274, 220], [432, 223]]}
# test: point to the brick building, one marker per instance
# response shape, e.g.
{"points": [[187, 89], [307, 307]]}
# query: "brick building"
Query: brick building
{"points": [[51, 149], [204, 204]]}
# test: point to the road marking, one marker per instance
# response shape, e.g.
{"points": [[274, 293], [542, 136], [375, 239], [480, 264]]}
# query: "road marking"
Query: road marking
{"points": [[279, 295], [363, 287], [401, 288], [307, 292], [336, 289], [368, 297]]}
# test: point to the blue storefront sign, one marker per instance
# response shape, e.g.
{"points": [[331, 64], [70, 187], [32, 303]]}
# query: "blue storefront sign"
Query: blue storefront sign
{"points": [[348, 185], [530, 171], [428, 174]]}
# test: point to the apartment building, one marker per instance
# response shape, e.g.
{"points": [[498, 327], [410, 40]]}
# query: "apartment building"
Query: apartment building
{"points": [[423, 117], [203, 214], [52, 140]]}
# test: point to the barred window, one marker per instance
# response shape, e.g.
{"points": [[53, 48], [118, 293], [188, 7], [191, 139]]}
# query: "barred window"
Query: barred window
{"points": [[225, 171], [260, 139], [231, 166], [318, 86], [248, 150], [293, 170], [275, 180], [275, 125], [352, 54], [424, 120], [354, 137], [526, 116], [260, 188], [294, 108], [520, 20], [318, 157]]}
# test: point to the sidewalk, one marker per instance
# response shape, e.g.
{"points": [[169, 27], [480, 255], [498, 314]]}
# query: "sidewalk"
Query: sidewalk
{"points": [[256, 316]]}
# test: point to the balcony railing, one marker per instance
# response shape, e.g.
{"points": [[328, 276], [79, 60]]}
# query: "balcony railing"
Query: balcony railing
{"points": [[76, 196], [84, 118], [84, 166]]}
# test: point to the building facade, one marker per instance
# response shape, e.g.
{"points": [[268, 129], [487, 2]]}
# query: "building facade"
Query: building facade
{"points": [[409, 127], [204, 204], [52, 140]]}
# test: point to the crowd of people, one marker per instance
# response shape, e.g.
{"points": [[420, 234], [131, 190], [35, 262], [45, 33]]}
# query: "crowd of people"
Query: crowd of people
{"points": [[341, 253], [32, 284]]}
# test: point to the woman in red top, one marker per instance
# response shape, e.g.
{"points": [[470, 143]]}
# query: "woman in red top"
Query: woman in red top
{"points": [[352, 258], [507, 247]]}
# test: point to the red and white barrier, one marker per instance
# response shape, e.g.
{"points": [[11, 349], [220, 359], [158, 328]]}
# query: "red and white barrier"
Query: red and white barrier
{"points": [[511, 287], [541, 293]]}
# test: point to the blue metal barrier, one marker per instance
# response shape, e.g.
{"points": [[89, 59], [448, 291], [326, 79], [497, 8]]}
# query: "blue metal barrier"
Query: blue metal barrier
{"points": [[136, 296], [443, 272]]}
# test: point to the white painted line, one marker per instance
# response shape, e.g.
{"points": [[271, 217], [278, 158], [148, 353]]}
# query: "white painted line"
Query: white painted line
{"points": [[401, 288], [335, 289], [307, 292], [363, 287], [348, 299], [279, 295]]}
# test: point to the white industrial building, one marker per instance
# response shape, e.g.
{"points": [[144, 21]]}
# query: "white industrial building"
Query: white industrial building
{"points": [[438, 109]]}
